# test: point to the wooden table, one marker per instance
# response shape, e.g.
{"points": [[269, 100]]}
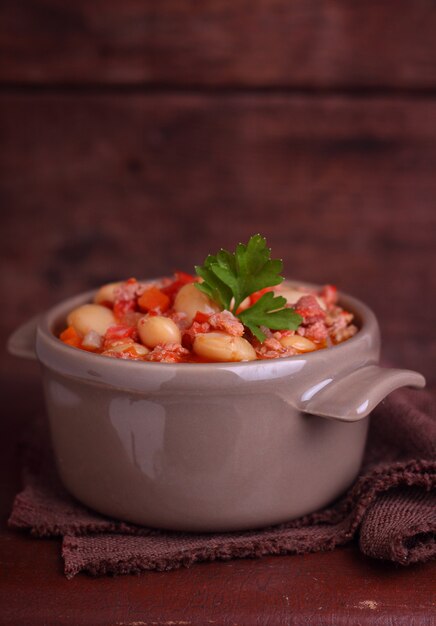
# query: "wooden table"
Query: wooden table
{"points": [[340, 587], [331, 588]]}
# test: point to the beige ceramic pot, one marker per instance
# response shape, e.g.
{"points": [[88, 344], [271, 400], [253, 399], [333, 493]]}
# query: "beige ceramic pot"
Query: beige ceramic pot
{"points": [[209, 447]]}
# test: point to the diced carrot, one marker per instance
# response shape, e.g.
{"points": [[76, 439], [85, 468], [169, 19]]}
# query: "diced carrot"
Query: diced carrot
{"points": [[153, 299], [68, 333], [71, 337]]}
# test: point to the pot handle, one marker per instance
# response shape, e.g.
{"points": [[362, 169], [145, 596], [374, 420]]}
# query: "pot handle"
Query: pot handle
{"points": [[354, 396], [22, 341]]}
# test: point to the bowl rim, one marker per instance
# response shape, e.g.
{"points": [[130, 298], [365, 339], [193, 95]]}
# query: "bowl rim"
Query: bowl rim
{"points": [[367, 320]]}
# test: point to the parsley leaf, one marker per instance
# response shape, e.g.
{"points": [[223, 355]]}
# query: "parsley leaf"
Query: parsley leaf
{"points": [[230, 278], [235, 276], [269, 311], [212, 285]]}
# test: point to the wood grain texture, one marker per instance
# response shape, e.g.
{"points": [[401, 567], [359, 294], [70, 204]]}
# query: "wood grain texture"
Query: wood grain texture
{"points": [[96, 188], [340, 588], [307, 43], [325, 589]]}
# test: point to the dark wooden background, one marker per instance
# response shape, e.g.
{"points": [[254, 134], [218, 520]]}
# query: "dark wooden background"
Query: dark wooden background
{"points": [[138, 136]]}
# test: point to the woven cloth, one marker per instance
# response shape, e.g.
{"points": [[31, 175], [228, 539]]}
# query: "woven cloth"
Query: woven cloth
{"points": [[390, 509]]}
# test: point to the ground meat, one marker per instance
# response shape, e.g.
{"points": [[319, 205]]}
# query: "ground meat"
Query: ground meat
{"points": [[178, 318], [309, 309], [197, 328], [278, 334], [169, 353], [125, 300], [127, 353], [316, 331], [131, 318], [227, 322], [122, 355], [223, 321], [337, 319], [129, 290], [339, 325], [271, 348], [119, 333], [313, 325], [345, 333]]}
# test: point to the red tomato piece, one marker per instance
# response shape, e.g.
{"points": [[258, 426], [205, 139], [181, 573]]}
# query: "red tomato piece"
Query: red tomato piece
{"points": [[258, 294], [119, 331], [201, 317], [180, 279], [183, 277]]}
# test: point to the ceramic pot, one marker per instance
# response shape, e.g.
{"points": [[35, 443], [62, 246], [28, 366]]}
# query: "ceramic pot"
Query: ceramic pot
{"points": [[209, 447]]}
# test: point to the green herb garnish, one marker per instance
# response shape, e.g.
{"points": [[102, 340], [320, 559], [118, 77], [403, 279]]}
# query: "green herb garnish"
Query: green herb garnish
{"points": [[269, 311], [229, 278]]}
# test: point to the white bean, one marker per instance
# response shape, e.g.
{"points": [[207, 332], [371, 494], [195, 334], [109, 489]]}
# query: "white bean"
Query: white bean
{"points": [[106, 293], [189, 300], [91, 317], [302, 344], [155, 330], [223, 347]]}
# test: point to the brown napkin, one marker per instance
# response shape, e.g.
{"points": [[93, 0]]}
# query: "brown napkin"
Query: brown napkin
{"points": [[391, 507]]}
